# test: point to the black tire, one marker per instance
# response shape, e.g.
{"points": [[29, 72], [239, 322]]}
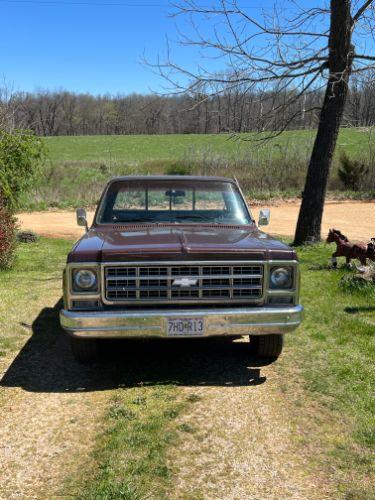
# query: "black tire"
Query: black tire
{"points": [[267, 346], [84, 350]]}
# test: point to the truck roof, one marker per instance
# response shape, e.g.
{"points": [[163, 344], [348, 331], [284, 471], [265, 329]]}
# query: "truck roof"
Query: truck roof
{"points": [[172, 178]]}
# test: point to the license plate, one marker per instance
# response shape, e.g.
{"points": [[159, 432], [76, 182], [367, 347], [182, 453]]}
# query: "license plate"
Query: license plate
{"points": [[189, 327]]}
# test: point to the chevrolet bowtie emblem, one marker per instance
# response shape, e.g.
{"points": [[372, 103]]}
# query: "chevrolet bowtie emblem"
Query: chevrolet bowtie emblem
{"points": [[185, 282]]}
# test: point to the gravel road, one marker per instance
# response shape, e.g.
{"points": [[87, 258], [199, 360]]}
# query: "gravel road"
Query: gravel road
{"points": [[243, 442]]}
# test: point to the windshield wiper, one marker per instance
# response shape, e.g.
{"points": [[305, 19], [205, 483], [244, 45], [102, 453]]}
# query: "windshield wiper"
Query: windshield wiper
{"points": [[193, 216], [136, 219]]}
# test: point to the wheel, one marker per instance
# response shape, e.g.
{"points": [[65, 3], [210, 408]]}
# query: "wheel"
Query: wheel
{"points": [[267, 346], [84, 350]]}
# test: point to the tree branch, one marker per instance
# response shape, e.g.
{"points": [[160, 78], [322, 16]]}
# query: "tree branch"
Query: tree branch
{"points": [[361, 10], [285, 126], [365, 57]]}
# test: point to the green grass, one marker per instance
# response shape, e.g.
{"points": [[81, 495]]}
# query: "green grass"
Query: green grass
{"points": [[33, 283], [131, 456], [138, 149], [334, 351]]}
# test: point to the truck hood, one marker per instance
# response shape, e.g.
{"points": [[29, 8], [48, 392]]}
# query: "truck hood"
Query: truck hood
{"points": [[182, 242]]}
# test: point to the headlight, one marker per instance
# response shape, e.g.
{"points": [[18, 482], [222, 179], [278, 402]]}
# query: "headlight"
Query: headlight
{"points": [[281, 277], [85, 280]]}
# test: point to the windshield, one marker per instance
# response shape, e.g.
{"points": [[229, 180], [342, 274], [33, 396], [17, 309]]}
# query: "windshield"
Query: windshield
{"points": [[173, 201]]}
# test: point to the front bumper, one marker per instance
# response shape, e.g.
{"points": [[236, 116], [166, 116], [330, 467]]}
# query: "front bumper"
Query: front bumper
{"points": [[218, 321]]}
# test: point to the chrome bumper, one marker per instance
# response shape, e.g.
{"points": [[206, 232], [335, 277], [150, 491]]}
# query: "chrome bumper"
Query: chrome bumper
{"points": [[218, 321]]}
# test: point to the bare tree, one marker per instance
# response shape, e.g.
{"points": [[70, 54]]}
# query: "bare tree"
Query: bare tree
{"points": [[212, 110], [8, 106], [340, 65], [295, 50]]}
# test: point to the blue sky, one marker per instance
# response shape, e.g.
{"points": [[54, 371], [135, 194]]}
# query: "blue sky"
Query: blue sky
{"points": [[84, 48], [89, 48]]}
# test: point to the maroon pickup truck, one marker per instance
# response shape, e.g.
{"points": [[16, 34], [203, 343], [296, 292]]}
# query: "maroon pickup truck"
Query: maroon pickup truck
{"points": [[178, 257]]}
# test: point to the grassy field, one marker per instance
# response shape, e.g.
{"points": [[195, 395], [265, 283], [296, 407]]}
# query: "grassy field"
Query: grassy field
{"points": [[326, 375], [78, 167], [139, 149]]}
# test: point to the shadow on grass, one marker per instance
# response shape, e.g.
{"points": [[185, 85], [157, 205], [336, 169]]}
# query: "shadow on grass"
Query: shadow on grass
{"points": [[46, 364], [356, 310]]}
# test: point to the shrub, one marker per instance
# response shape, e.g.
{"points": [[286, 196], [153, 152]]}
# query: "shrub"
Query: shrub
{"points": [[8, 228], [21, 157], [352, 173], [178, 169]]}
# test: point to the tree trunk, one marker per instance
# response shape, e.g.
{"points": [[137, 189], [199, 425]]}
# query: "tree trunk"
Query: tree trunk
{"points": [[339, 65]]}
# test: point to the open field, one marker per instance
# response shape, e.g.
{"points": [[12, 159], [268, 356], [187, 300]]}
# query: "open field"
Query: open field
{"points": [[138, 149], [189, 420], [78, 167], [62, 224]]}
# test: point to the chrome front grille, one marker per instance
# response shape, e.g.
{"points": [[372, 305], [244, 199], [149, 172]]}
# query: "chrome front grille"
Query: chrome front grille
{"points": [[182, 283]]}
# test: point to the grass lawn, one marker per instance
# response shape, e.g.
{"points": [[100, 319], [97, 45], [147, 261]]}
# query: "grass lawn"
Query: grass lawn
{"points": [[137, 149], [327, 365], [132, 452], [334, 351], [33, 283]]}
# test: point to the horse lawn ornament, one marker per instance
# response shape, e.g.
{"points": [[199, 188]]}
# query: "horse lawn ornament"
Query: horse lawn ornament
{"points": [[345, 248]]}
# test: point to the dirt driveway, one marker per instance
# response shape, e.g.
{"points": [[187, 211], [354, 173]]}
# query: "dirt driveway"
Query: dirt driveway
{"points": [[52, 411], [356, 219]]}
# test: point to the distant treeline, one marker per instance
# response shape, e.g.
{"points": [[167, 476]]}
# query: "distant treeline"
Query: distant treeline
{"points": [[65, 113]]}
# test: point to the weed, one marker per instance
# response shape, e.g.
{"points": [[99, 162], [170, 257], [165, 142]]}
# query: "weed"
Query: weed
{"points": [[187, 428], [178, 169], [352, 284], [352, 173], [193, 398]]}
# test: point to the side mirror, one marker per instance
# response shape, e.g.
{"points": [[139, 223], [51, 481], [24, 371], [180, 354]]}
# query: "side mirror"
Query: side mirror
{"points": [[82, 218], [264, 217]]}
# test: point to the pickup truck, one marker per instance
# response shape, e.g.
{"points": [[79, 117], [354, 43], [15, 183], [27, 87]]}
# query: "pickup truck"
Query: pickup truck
{"points": [[178, 257]]}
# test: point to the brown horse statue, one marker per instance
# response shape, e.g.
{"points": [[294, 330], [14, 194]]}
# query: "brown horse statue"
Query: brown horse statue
{"points": [[361, 251]]}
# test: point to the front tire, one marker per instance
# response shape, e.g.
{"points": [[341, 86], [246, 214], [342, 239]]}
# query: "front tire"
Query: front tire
{"points": [[84, 350], [267, 346]]}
